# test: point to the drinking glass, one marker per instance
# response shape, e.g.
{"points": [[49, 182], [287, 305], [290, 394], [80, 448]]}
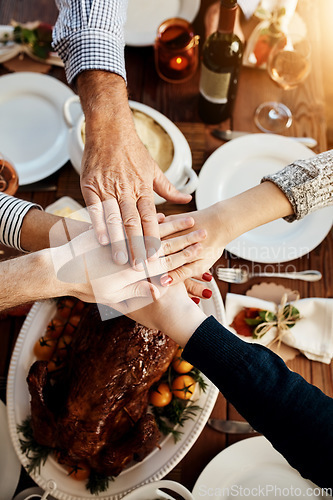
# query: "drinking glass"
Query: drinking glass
{"points": [[176, 50], [288, 65], [9, 181]]}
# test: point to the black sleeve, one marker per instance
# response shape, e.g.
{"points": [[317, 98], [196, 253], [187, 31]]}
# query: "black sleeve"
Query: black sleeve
{"points": [[294, 415]]}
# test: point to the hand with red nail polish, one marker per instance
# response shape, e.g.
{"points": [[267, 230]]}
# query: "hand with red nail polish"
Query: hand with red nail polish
{"points": [[196, 300], [207, 293], [213, 245]]}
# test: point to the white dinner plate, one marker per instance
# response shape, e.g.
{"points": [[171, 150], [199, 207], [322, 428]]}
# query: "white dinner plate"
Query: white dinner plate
{"points": [[33, 132], [239, 165], [10, 466], [153, 468], [252, 468], [145, 16]]}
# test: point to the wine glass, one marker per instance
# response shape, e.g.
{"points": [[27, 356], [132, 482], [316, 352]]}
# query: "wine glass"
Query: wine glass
{"points": [[8, 176], [288, 65]]}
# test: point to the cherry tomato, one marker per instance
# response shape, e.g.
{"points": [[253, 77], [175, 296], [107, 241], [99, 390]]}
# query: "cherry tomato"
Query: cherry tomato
{"points": [[54, 328], [183, 387], [239, 323], [79, 472], [44, 348], [161, 396], [72, 324], [55, 364], [179, 364], [65, 307], [79, 306], [63, 346]]}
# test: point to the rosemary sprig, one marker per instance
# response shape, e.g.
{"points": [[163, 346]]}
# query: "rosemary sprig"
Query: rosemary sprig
{"points": [[165, 428], [196, 374], [176, 412], [97, 483], [36, 453]]}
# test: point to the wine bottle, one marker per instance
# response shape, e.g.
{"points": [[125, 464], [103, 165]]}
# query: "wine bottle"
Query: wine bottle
{"points": [[221, 61]]}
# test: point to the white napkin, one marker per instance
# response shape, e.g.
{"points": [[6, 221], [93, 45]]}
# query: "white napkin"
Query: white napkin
{"points": [[312, 334]]}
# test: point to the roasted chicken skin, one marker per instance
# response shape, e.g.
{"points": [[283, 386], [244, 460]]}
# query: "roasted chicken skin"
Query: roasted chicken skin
{"points": [[97, 414]]}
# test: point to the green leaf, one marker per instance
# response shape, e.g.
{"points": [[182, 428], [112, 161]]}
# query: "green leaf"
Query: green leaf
{"points": [[253, 321]]}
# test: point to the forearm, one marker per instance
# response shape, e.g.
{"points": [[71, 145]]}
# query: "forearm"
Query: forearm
{"points": [[180, 322], [37, 225], [104, 100], [28, 278], [294, 415], [259, 205]]}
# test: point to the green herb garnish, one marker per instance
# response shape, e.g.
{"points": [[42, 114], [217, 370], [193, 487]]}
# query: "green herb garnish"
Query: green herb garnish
{"points": [[35, 452]]}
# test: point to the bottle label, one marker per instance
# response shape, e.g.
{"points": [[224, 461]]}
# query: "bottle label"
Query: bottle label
{"points": [[214, 86]]}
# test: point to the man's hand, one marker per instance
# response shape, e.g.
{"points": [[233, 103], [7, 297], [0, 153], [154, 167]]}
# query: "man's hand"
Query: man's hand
{"points": [[118, 170]]}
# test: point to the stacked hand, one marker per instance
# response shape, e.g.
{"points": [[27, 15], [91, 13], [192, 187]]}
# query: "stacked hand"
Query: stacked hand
{"points": [[211, 219], [118, 171], [87, 271]]}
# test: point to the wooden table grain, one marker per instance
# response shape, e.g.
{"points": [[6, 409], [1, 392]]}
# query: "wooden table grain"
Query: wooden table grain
{"points": [[179, 103]]}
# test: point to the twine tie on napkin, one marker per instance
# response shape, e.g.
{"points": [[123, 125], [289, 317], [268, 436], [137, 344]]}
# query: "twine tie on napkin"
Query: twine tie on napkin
{"points": [[285, 318]]}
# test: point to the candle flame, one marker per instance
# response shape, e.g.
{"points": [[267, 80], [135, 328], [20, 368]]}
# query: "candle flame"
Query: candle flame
{"points": [[179, 60]]}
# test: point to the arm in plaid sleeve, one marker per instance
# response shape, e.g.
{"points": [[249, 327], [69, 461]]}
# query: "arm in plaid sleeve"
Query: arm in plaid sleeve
{"points": [[89, 35]]}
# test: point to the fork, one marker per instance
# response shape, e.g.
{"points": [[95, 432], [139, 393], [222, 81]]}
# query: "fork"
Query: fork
{"points": [[239, 275]]}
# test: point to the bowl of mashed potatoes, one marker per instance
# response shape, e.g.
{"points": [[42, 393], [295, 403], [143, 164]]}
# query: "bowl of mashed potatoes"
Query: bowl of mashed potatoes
{"points": [[163, 139]]}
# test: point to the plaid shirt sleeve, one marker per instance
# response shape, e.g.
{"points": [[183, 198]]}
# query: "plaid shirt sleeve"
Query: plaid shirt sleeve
{"points": [[89, 34], [12, 212]]}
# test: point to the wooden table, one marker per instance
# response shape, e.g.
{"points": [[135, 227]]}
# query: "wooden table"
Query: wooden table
{"points": [[179, 103]]}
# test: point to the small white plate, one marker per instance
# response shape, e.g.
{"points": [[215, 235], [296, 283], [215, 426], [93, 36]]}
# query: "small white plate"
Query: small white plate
{"points": [[145, 16], [153, 468], [10, 466], [33, 133], [239, 165], [251, 468]]}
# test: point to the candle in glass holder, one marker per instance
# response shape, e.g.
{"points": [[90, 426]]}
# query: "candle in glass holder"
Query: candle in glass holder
{"points": [[176, 50], [8, 176]]}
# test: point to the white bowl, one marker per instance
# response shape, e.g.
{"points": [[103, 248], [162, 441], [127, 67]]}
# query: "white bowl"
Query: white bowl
{"points": [[151, 491], [179, 173]]}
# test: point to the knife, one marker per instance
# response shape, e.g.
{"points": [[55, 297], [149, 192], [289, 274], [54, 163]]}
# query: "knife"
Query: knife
{"points": [[230, 426], [228, 135]]}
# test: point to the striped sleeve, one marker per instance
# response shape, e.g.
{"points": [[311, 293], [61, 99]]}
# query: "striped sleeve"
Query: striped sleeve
{"points": [[12, 212], [89, 35]]}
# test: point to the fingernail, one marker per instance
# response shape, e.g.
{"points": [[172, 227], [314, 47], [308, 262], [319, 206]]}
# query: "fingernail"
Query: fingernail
{"points": [[189, 221], [104, 240], [165, 280], [207, 293], [138, 264], [120, 258], [195, 299], [202, 233], [207, 277]]}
